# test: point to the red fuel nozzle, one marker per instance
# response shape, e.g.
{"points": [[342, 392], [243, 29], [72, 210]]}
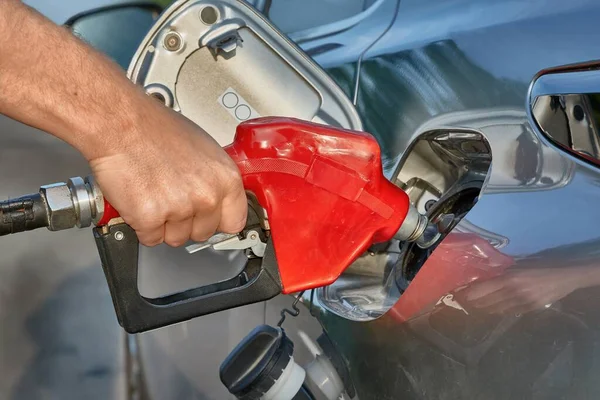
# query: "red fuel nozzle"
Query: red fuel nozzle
{"points": [[325, 194]]}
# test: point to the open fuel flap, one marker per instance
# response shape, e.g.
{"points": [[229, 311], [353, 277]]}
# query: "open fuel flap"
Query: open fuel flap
{"points": [[220, 62]]}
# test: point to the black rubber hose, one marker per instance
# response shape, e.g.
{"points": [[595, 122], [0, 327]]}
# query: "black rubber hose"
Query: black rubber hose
{"points": [[23, 214]]}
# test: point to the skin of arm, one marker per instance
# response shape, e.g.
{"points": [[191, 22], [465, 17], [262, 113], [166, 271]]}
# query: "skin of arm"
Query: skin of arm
{"points": [[167, 178]]}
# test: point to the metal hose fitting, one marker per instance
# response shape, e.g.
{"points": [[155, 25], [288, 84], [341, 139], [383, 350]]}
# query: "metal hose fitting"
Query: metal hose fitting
{"points": [[58, 206], [413, 226]]}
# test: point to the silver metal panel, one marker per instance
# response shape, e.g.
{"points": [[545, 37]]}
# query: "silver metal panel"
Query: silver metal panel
{"points": [[239, 50]]}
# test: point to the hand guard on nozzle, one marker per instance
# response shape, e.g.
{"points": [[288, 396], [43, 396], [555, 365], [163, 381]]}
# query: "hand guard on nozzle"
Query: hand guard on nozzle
{"points": [[317, 200]]}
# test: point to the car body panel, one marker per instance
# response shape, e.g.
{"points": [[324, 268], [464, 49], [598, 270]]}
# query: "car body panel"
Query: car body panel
{"points": [[470, 67]]}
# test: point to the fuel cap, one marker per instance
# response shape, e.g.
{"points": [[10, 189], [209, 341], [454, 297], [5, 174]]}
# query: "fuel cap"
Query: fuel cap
{"points": [[262, 367]]}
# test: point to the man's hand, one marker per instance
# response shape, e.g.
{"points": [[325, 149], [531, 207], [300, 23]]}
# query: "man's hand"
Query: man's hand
{"points": [[172, 182], [167, 178]]}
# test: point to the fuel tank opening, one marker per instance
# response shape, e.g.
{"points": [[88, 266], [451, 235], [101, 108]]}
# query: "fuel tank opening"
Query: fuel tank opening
{"points": [[443, 173], [445, 215]]}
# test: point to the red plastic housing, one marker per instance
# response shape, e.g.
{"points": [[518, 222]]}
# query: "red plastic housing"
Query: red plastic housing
{"points": [[109, 213], [324, 192]]}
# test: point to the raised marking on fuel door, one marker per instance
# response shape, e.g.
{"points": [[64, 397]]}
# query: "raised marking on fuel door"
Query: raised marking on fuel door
{"points": [[237, 106]]}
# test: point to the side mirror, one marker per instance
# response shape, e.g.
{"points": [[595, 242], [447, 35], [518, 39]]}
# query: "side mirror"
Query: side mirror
{"points": [[116, 30]]}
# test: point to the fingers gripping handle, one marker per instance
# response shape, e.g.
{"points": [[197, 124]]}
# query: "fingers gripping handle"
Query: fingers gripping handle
{"points": [[118, 247]]}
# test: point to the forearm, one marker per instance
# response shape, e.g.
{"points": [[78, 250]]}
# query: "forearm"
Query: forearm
{"points": [[51, 80], [167, 178]]}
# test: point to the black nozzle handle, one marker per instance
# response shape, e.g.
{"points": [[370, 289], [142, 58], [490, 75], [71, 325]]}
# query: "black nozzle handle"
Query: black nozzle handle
{"points": [[22, 214], [118, 246]]}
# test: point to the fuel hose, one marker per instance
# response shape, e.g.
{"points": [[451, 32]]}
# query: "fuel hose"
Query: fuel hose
{"points": [[23, 214]]}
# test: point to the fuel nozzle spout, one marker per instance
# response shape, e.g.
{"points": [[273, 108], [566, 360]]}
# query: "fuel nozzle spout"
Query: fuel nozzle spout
{"points": [[417, 228]]}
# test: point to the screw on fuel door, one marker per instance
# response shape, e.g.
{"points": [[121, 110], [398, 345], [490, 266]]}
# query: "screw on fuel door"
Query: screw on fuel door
{"points": [[173, 41]]}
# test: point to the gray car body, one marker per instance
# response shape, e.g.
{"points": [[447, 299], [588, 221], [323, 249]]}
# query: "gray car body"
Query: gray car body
{"points": [[470, 65], [456, 66]]}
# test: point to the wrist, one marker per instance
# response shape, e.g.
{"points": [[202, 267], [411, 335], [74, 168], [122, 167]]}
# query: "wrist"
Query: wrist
{"points": [[117, 126]]}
